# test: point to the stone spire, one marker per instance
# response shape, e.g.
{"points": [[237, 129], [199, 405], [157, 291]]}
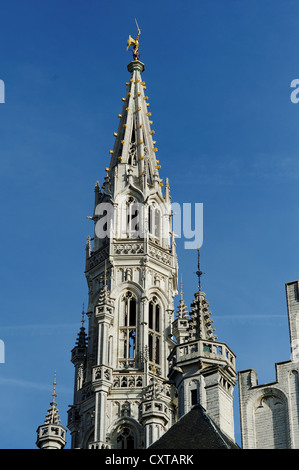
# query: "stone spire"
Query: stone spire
{"points": [[182, 311], [134, 150], [51, 435], [200, 323], [181, 322], [82, 338], [52, 416]]}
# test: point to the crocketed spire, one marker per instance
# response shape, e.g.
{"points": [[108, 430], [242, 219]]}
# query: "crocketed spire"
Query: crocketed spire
{"points": [[134, 149], [200, 323]]}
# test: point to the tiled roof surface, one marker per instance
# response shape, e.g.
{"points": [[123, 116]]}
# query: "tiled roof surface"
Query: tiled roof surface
{"points": [[195, 430]]}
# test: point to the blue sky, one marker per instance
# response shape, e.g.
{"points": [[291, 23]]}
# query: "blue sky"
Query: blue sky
{"points": [[218, 77]]}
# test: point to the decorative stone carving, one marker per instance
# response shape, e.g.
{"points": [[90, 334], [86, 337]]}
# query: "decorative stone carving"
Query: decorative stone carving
{"points": [[128, 248], [160, 255], [97, 258], [125, 381]]}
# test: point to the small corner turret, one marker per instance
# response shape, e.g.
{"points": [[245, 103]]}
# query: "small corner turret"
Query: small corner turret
{"points": [[202, 369], [51, 434]]}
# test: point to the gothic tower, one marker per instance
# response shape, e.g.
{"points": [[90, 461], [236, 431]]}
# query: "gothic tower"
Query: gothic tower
{"points": [[121, 398]]}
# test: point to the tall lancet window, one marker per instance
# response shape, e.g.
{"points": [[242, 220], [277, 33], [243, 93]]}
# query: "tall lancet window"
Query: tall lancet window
{"points": [[133, 217], [154, 336], [125, 439], [128, 328], [154, 221], [132, 158]]}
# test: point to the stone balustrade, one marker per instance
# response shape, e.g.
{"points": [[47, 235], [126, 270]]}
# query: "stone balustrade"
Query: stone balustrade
{"points": [[204, 349]]}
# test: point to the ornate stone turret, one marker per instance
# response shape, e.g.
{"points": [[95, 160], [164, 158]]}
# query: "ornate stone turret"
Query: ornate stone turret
{"points": [[200, 323], [202, 369], [51, 434], [131, 271]]}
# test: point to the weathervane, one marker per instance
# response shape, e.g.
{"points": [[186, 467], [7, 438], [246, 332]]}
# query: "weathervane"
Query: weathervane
{"points": [[83, 313], [135, 43], [182, 293], [54, 388]]}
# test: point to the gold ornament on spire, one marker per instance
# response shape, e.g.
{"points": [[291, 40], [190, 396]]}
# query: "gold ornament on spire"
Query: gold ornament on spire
{"points": [[134, 43], [182, 293], [105, 273]]}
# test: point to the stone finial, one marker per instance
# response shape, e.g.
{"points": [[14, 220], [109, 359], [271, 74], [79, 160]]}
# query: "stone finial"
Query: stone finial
{"points": [[134, 43], [198, 272]]}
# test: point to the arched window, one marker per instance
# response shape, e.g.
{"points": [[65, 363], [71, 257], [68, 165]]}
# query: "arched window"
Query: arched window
{"points": [[193, 397], [154, 325], [154, 315], [154, 217], [128, 328], [133, 217], [129, 309], [125, 439]]}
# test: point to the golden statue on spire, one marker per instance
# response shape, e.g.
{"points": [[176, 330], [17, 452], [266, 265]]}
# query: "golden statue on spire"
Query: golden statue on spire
{"points": [[134, 43]]}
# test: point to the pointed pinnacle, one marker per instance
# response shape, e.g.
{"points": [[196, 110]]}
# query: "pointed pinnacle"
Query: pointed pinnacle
{"points": [[182, 293], [54, 387], [198, 272]]}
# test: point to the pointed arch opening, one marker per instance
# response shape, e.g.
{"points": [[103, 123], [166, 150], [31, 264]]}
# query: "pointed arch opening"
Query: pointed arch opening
{"points": [[132, 157], [134, 218], [154, 326], [125, 439], [128, 329], [154, 221], [126, 433]]}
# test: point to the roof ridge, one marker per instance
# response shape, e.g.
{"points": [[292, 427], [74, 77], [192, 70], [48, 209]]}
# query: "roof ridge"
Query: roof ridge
{"points": [[216, 428]]}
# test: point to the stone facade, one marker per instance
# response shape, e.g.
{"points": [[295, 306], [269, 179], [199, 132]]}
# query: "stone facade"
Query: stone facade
{"points": [[269, 412]]}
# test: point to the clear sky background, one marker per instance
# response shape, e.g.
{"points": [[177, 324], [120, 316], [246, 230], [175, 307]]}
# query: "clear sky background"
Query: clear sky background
{"points": [[218, 77]]}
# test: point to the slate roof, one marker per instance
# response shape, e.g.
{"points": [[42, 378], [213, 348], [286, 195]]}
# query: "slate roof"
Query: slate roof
{"points": [[195, 430]]}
